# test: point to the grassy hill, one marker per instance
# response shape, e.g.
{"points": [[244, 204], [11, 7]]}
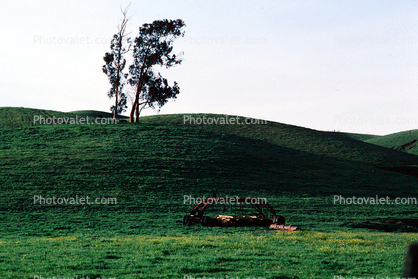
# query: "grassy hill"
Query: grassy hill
{"points": [[362, 137], [150, 168], [95, 114], [11, 117], [158, 164], [397, 140], [337, 145], [328, 144]]}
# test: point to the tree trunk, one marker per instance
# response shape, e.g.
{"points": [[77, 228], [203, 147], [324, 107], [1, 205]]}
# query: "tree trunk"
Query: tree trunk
{"points": [[134, 106], [137, 113], [115, 111], [144, 104], [118, 77]]}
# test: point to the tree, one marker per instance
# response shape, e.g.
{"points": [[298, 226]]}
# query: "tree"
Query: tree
{"points": [[153, 47], [115, 63]]}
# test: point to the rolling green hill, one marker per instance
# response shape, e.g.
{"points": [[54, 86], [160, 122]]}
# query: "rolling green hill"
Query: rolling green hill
{"points": [[328, 144], [367, 149], [362, 137], [11, 117], [397, 140], [95, 114], [146, 162], [152, 167]]}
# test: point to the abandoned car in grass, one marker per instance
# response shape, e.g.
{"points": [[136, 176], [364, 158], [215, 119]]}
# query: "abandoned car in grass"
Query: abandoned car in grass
{"points": [[265, 214]]}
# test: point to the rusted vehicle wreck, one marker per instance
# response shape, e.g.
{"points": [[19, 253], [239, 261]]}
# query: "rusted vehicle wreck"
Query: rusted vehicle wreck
{"points": [[262, 218]]}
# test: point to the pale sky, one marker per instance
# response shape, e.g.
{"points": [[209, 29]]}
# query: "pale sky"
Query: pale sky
{"points": [[328, 65]]}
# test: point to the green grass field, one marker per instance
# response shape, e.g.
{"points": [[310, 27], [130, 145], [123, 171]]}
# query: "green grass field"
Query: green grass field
{"points": [[149, 168]]}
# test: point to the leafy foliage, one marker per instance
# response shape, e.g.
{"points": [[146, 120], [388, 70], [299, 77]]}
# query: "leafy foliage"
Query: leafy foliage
{"points": [[153, 47], [114, 66]]}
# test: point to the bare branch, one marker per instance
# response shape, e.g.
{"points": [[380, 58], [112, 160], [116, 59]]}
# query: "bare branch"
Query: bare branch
{"points": [[125, 19]]}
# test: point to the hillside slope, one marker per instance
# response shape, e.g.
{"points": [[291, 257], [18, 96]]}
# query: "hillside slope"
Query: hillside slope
{"points": [[149, 168], [151, 154], [329, 144], [406, 141], [11, 117], [362, 137], [95, 114], [152, 169], [341, 146]]}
